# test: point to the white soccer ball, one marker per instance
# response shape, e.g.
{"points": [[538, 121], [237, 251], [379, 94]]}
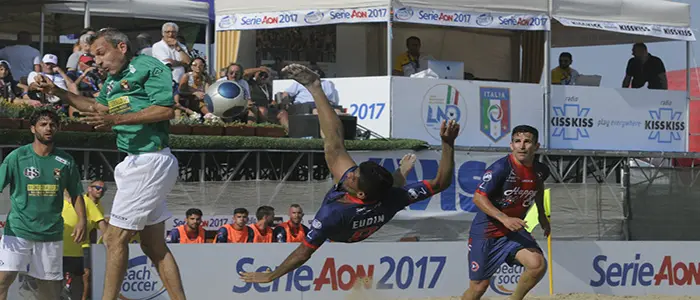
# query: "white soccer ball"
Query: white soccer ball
{"points": [[224, 95]]}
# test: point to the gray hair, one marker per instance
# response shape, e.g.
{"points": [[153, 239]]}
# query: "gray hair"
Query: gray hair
{"points": [[114, 37], [87, 38], [170, 24]]}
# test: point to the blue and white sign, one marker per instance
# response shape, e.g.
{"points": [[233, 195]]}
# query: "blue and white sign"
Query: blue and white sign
{"points": [[617, 119], [367, 98], [493, 20]]}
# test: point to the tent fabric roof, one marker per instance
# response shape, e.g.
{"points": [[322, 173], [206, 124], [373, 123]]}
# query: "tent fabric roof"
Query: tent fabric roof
{"points": [[659, 12], [172, 10]]}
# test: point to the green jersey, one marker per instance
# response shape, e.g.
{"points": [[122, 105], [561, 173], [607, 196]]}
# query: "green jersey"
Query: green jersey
{"points": [[36, 192], [145, 82]]}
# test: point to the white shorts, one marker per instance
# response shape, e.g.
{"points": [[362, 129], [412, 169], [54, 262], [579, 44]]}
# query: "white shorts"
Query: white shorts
{"points": [[143, 184], [41, 260]]}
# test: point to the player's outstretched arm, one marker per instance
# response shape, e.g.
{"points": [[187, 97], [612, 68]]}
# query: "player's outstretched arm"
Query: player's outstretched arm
{"points": [[405, 166], [45, 85], [449, 130], [294, 260], [337, 158]]}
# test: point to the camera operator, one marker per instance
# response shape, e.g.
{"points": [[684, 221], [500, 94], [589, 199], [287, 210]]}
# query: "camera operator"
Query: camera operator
{"points": [[261, 93]]}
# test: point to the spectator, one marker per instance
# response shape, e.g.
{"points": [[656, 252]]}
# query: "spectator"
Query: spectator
{"points": [[9, 89], [237, 232], [564, 74], [193, 88], [86, 78], [262, 229], [260, 85], [412, 61], [292, 231], [51, 70], [21, 55], [143, 44], [191, 232], [73, 59], [37, 64], [95, 191], [171, 52], [645, 68], [73, 254], [303, 102]]}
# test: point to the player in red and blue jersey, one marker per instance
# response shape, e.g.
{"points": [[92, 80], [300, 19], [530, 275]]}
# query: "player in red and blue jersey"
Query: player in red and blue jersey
{"points": [[507, 190], [364, 197]]}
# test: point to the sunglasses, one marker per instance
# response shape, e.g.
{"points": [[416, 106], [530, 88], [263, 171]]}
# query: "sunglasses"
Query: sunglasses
{"points": [[98, 187]]}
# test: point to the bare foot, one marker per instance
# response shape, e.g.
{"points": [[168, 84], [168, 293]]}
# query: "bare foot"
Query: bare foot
{"points": [[406, 164], [301, 74]]}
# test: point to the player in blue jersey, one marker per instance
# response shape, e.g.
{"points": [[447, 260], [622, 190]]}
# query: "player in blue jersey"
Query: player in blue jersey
{"points": [[507, 190], [365, 197]]}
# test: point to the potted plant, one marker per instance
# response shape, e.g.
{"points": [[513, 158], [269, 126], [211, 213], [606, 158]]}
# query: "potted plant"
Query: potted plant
{"points": [[270, 130], [10, 115], [212, 126], [238, 129], [183, 125], [74, 124]]}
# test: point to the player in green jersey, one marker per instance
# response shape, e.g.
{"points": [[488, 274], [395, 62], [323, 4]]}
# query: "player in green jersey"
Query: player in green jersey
{"points": [[38, 174], [137, 101]]}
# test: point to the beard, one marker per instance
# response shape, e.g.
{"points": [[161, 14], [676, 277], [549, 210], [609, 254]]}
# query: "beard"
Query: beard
{"points": [[40, 137]]}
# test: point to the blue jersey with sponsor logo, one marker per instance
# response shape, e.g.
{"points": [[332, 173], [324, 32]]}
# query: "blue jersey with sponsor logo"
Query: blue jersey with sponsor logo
{"points": [[511, 187], [353, 222]]}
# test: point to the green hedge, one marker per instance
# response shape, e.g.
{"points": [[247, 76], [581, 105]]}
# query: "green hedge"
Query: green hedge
{"points": [[106, 140]]}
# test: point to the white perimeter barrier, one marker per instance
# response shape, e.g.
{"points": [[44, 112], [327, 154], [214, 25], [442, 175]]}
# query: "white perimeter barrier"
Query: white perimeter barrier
{"points": [[409, 269]]}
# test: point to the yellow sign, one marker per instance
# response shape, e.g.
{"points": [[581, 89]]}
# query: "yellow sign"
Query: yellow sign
{"points": [[119, 105], [42, 190]]}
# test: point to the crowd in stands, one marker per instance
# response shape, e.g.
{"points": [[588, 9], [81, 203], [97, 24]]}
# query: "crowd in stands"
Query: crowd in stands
{"points": [[21, 63]]}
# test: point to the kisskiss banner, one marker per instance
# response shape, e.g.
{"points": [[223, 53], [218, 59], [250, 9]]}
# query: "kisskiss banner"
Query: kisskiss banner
{"points": [[617, 119], [486, 111], [366, 98], [493, 20], [668, 32], [453, 203], [626, 268], [335, 271], [297, 18]]}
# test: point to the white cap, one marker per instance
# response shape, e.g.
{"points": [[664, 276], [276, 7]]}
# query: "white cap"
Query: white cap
{"points": [[50, 59], [37, 60]]}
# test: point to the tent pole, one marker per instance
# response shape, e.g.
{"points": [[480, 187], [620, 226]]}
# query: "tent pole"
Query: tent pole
{"points": [[388, 46], [86, 21], [41, 31], [687, 93], [207, 41], [547, 76]]}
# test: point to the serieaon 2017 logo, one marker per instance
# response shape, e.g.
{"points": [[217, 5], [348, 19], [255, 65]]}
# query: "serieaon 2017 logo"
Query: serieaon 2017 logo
{"points": [[666, 272], [405, 273]]}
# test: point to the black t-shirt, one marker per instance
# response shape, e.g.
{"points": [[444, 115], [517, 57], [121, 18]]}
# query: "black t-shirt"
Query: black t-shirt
{"points": [[260, 94], [643, 72]]}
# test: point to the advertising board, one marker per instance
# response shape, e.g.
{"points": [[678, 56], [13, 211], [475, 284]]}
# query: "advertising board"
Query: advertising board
{"points": [[298, 18], [367, 98], [486, 111], [492, 20], [617, 119]]}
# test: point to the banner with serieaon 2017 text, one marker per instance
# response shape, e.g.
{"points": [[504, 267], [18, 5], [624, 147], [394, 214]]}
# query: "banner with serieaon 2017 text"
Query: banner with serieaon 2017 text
{"points": [[298, 18]]}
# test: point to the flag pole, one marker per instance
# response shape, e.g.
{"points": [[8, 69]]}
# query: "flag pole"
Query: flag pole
{"points": [[549, 265]]}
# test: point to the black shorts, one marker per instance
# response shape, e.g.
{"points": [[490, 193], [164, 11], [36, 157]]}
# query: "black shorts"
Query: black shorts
{"points": [[74, 265]]}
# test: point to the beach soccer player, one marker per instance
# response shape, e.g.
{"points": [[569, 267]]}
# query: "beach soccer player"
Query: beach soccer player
{"points": [[507, 190], [137, 101], [364, 197], [32, 241]]}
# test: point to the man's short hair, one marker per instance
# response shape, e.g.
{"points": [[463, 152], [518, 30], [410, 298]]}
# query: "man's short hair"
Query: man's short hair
{"points": [[264, 211], [193, 211], [170, 24], [43, 113], [114, 37], [87, 38], [412, 38], [375, 180], [24, 34], [295, 206], [640, 46], [86, 30], [566, 54], [240, 210], [526, 129], [96, 180]]}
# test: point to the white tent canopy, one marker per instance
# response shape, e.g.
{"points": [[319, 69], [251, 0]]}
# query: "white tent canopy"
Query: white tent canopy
{"points": [[171, 10], [658, 12]]}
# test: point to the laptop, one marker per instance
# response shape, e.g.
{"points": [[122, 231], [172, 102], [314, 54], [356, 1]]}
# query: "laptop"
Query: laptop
{"points": [[588, 80], [447, 69]]}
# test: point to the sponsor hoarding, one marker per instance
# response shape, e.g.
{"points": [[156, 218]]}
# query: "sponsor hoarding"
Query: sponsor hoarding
{"points": [[493, 20], [486, 111], [667, 32], [617, 119], [298, 18]]}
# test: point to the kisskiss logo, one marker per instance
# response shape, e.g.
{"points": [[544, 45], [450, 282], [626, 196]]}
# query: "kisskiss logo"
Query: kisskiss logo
{"points": [[313, 17], [571, 122], [141, 281], [505, 279], [639, 272], [665, 125], [443, 102], [403, 13], [227, 21]]}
